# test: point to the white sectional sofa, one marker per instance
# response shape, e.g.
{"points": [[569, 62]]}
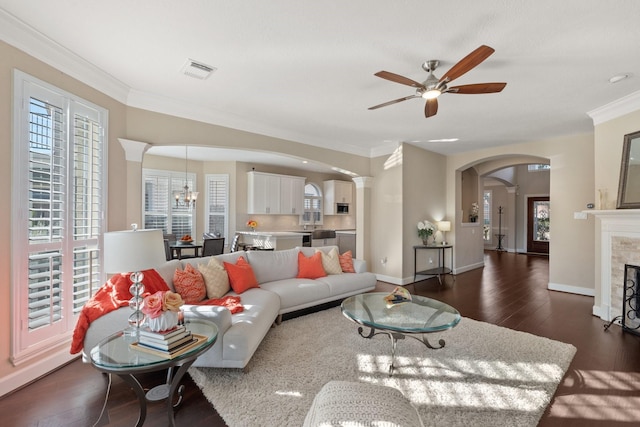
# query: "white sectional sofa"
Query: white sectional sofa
{"points": [[280, 292]]}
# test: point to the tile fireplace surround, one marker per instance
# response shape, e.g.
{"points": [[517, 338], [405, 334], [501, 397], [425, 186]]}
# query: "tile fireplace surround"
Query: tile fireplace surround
{"points": [[618, 243]]}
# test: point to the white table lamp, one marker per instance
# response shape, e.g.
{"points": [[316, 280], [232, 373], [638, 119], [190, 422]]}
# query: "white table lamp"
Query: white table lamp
{"points": [[132, 251], [444, 226]]}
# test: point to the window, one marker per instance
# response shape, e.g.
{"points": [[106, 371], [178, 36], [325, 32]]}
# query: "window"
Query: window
{"points": [[160, 208], [486, 210], [538, 168], [58, 211], [217, 205], [312, 205]]}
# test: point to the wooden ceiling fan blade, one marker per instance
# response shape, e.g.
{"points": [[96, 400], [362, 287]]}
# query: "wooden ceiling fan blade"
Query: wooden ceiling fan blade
{"points": [[397, 78], [467, 63], [395, 101], [477, 88], [431, 107]]}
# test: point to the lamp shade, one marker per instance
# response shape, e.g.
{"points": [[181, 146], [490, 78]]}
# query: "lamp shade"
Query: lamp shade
{"points": [[129, 251], [444, 225]]}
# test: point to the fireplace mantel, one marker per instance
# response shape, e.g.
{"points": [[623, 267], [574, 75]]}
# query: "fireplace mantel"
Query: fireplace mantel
{"points": [[618, 242]]}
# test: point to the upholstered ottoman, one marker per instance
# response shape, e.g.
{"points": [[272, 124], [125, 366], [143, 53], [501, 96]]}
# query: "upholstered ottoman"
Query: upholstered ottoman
{"points": [[351, 404]]}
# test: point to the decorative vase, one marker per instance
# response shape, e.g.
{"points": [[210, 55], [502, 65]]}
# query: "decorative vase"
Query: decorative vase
{"points": [[425, 241], [167, 320]]}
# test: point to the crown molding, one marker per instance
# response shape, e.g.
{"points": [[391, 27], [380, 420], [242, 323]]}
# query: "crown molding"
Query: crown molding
{"points": [[615, 109], [23, 37]]}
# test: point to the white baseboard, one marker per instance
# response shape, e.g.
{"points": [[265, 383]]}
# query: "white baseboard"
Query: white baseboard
{"points": [[469, 267], [27, 374], [393, 280], [571, 289]]}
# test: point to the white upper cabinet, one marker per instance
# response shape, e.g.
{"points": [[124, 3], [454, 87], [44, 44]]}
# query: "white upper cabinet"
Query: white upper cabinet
{"points": [[292, 195], [269, 193], [337, 193]]}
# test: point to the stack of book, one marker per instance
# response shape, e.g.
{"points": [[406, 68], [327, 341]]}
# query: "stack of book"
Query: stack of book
{"points": [[166, 343]]}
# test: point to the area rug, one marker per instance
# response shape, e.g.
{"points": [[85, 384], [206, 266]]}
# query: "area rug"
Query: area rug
{"points": [[484, 376]]}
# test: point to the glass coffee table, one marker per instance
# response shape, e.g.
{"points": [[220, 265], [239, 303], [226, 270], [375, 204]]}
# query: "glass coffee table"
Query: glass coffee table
{"points": [[115, 355], [413, 319]]}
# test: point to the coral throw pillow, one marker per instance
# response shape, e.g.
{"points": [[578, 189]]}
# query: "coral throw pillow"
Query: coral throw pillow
{"points": [[310, 268], [216, 279], [189, 284], [241, 276], [346, 262], [330, 261]]}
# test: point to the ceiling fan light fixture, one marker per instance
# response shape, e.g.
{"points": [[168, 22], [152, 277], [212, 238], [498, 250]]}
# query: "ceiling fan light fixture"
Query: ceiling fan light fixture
{"points": [[431, 93]]}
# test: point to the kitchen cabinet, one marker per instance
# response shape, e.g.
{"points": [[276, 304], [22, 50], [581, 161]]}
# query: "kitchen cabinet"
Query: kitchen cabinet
{"points": [[338, 196], [292, 195], [269, 193]]}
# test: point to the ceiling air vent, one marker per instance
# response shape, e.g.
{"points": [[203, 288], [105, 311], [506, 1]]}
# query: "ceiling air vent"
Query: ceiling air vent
{"points": [[197, 70]]}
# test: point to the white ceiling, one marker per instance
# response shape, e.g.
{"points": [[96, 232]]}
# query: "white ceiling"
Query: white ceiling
{"points": [[303, 70]]}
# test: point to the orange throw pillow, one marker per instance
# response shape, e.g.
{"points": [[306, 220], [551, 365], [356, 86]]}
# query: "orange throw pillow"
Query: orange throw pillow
{"points": [[310, 268], [189, 283], [241, 276], [346, 262]]}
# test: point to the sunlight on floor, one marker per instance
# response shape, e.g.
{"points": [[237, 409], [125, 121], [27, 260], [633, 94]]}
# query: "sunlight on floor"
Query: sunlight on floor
{"points": [[598, 395], [460, 382]]}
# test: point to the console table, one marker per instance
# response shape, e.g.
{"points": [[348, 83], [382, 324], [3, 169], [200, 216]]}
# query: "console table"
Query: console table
{"points": [[440, 270]]}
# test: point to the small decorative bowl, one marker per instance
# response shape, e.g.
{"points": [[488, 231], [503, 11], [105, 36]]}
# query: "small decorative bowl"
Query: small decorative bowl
{"points": [[185, 242]]}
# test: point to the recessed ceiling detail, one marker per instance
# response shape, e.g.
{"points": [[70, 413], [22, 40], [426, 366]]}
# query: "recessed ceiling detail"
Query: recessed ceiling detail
{"points": [[197, 69]]}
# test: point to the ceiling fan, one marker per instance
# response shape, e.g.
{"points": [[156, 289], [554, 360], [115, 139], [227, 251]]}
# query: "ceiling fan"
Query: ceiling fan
{"points": [[433, 87]]}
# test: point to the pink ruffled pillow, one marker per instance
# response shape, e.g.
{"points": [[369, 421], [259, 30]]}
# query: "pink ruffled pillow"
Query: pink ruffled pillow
{"points": [[189, 283], [346, 262]]}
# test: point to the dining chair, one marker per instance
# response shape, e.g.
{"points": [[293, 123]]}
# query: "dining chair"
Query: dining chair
{"points": [[167, 250], [213, 246]]}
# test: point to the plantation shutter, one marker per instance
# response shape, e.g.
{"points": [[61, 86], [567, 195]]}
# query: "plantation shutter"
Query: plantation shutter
{"points": [[88, 180], [160, 210], [47, 188], [156, 201], [217, 204], [57, 206]]}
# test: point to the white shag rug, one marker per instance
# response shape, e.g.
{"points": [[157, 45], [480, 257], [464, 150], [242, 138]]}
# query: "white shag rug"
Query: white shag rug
{"points": [[485, 375]]}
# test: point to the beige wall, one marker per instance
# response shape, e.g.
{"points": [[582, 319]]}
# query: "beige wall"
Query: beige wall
{"points": [[571, 188], [409, 186]]}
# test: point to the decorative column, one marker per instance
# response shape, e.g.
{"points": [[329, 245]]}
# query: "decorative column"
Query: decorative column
{"points": [[363, 217], [134, 153]]}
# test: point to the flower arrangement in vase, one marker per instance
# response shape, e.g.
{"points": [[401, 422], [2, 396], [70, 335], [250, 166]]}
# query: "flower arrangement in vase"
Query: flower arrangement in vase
{"points": [[162, 310], [425, 230], [252, 224], [473, 212]]}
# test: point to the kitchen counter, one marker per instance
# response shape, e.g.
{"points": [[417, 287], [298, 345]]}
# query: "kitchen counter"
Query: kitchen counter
{"points": [[276, 240], [345, 231]]}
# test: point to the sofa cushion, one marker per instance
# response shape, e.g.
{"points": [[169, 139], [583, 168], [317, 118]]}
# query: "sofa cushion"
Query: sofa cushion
{"points": [[349, 283], [216, 279], [330, 261], [241, 276], [344, 403], [166, 271], [189, 284], [297, 292], [310, 267], [308, 251], [269, 266]]}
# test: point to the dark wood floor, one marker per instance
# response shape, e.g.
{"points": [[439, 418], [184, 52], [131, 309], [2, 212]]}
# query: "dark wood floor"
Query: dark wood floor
{"points": [[601, 388]]}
